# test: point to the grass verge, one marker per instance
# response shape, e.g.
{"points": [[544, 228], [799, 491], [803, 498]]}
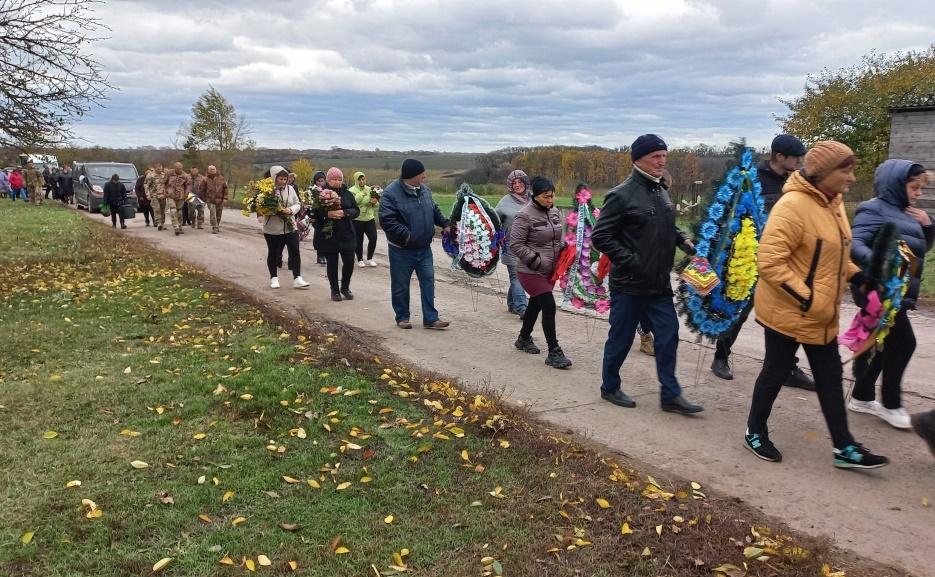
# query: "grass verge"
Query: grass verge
{"points": [[206, 431]]}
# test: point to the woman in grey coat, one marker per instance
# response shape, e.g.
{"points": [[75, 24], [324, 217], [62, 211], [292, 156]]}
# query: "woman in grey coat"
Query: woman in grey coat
{"points": [[898, 185], [518, 185], [536, 241], [280, 231]]}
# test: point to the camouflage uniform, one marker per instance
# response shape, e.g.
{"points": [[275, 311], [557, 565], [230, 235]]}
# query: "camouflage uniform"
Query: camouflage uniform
{"points": [[214, 192], [196, 210], [178, 185], [33, 180], [155, 185]]}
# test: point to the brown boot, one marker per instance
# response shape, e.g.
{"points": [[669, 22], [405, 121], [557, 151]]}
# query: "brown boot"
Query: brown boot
{"points": [[646, 345]]}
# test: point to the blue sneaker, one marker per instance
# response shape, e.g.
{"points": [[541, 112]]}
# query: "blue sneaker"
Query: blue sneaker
{"points": [[857, 456], [762, 447]]}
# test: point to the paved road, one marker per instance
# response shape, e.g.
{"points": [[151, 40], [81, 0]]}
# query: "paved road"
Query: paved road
{"points": [[878, 514]]}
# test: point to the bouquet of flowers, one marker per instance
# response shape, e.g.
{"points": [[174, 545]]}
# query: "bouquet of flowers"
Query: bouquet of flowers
{"points": [[580, 283], [475, 242], [323, 201], [376, 193], [260, 199]]}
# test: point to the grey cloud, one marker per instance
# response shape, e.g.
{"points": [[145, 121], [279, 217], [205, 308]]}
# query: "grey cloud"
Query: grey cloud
{"points": [[480, 74]]}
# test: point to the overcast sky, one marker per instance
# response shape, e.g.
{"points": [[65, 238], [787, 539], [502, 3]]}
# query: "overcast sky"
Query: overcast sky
{"points": [[476, 75]]}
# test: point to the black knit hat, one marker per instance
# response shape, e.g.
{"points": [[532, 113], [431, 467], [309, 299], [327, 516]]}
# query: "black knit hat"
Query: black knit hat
{"points": [[646, 144], [411, 169], [541, 185], [787, 145]]}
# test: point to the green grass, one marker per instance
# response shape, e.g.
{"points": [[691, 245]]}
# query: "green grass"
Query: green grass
{"points": [[102, 339]]}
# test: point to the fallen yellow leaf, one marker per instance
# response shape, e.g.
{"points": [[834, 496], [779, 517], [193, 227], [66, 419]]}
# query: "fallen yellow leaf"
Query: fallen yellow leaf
{"points": [[49, 434], [199, 436], [293, 565], [94, 513], [263, 560], [130, 433], [26, 539], [342, 551], [226, 561], [139, 464], [161, 564], [465, 455], [251, 566], [205, 518], [659, 530], [238, 521], [388, 519], [290, 480], [343, 485], [227, 496], [247, 397], [71, 484], [625, 529], [602, 503], [313, 484]]}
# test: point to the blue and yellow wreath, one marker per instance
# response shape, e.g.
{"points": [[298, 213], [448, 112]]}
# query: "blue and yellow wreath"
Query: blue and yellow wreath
{"points": [[728, 236]]}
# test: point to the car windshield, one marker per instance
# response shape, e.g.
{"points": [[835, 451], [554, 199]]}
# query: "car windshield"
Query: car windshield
{"points": [[105, 171]]}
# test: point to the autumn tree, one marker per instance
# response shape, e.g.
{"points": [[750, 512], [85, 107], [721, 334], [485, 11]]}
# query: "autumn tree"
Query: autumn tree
{"points": [[48, 78], [303, 170], [218, 134], [851, 104]]}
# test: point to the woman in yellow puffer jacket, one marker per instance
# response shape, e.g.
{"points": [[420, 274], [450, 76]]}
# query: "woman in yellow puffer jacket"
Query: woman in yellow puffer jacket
{"points": [[804, 265]]}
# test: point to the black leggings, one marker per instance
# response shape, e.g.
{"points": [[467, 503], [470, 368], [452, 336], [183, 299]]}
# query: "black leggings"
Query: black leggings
{"points": [[825, 361], [347, 268], [274, 246], [369, 228], [545, 303], [892, 361]]}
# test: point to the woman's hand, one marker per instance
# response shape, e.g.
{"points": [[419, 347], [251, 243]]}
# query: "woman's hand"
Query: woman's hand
{"points": [[287, 210], [920, 215], [336, 214]]}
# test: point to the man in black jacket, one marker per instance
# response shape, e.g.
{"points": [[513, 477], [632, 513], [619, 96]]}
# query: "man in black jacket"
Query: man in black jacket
{"points": [[636, 230], [786, 153]]}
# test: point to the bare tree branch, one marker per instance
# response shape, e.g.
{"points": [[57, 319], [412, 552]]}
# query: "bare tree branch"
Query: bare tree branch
{"points": [[47, 79]]}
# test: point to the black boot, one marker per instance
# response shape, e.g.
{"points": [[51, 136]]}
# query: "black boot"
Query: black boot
{"points": [[348, 295], [557, 358], [526, 345], [336, 296], [721, 369], [798, 379]]}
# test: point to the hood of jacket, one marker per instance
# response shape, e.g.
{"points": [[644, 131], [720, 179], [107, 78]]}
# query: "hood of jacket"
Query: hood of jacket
{"points": [[274, 170], [889, 182], [357, 175]]}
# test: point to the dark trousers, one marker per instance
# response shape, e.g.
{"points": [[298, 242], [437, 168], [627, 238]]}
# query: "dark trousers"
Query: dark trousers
{"points": [[147, 210], [724, 345], [544, 303], [347, 268], [274, 245], [892, 361], [186, 213], [115, 214], [403, 262], [625, 314], [368, 228], [825, 361]]}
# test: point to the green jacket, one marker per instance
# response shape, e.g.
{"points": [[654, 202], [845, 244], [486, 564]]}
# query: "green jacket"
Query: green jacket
{"points": [[362, 196]]}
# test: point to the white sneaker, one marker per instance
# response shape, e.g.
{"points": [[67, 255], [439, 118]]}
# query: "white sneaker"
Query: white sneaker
{"points": [[361, 264], [868, 407], [898, 418], [371, 262], [274, 282], [299, 283]]}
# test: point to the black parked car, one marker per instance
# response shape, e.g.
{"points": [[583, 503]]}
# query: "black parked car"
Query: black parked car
{"points": [[90, 178]]}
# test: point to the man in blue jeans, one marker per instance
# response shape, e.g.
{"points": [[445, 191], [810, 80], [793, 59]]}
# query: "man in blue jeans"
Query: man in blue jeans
{"points": [[408, 216], [636, 230]]}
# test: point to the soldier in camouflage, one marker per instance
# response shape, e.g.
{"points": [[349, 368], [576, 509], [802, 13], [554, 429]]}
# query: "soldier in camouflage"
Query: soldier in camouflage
{"points": [[34, 182], [155, 185], [178, 185]]}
